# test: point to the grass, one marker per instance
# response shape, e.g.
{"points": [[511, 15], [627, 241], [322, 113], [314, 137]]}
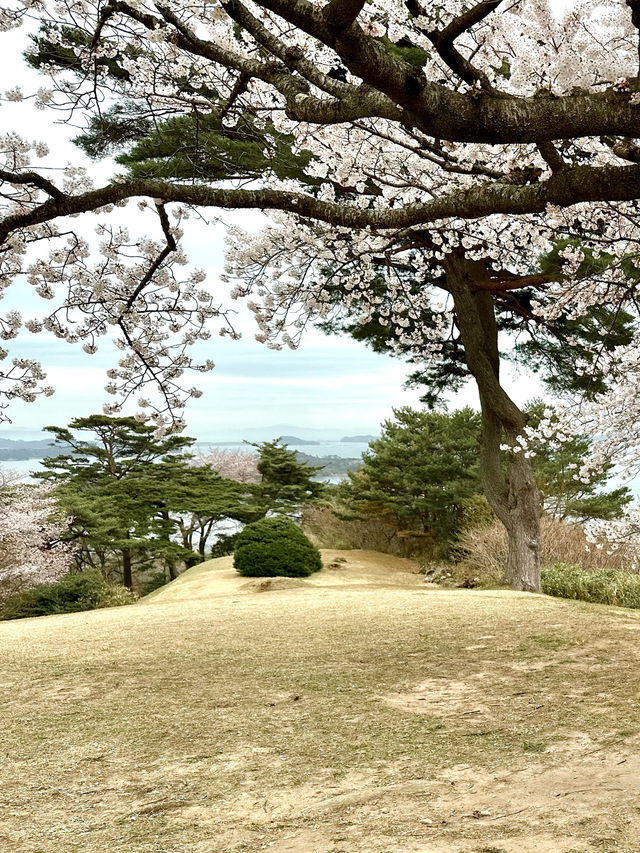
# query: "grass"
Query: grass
{"points": [[601, 586], [321, 719]]}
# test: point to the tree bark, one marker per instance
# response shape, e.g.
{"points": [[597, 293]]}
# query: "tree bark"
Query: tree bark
{"points": [[512, 492], [127, 573], [169, 559], [523, 528]]}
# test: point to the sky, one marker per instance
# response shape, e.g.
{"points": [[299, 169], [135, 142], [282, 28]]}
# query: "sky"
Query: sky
{"points": [[329, 387]]}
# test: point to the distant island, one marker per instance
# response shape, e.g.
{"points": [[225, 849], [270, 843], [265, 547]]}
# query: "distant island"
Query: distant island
{"points": [[357, 439], [293, 439]]}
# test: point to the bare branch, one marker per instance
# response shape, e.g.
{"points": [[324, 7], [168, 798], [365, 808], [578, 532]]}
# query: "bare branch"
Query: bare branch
{"points": [[468, 19], [34, 179], [155, 266], [443, 41]]}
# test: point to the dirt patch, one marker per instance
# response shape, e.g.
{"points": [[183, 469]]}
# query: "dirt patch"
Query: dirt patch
{"points": [[588, 804], [271, 584], [441, 697]]}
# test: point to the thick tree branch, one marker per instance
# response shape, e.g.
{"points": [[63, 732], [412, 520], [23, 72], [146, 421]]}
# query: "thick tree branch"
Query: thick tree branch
{"points": [[291, 57], [468, 19], [568, 187], [458, 117], [551, 156], [340, 14], [503, 281], [443, 41]]}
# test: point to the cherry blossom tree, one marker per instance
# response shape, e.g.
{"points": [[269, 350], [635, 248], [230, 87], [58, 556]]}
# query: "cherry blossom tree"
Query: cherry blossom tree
{"points": [[231, 464], [31, 550], [417, 161]]}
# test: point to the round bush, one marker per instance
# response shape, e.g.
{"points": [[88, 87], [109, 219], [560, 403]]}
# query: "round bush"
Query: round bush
{"points": [[275, 547]]}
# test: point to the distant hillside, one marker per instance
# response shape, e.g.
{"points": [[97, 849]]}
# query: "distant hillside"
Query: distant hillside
{"points": [[357, 439], [334, 468]]}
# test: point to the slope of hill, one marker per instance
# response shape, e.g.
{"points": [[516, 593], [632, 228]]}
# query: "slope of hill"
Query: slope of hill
{"points": [[340, 568], [354, 711]]}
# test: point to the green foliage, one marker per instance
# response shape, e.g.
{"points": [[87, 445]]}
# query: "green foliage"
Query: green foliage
{"points": [[563, 495], [71, 594], [274, 547], [155, 581], [420, 475], [200, 146], [421, 478], [568, 341], [410, 53], [224, 545], [504, 69], [286, 482], [601, 586], [54, 46], [119, 446], [116, 595], [134, 500], [551, 348], [114, 129]]}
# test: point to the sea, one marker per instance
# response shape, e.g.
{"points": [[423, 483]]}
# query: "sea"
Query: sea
{"points": [[345, 450]]}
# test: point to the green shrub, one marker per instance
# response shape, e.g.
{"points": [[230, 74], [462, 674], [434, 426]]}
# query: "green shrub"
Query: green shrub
{"points": [[273, 547], [115, 595], [155, 581], [71, 594], [224, 545], [602, 586]]}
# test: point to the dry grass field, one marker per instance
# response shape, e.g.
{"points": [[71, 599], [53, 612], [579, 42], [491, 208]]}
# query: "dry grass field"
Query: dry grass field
{"points": [[354, 712]]}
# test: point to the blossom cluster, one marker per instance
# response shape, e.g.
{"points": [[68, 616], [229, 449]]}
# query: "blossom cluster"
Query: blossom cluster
{"points": [[31, 548]]}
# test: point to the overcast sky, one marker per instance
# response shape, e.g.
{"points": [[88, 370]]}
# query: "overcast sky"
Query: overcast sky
{"points": [[331, 386]]}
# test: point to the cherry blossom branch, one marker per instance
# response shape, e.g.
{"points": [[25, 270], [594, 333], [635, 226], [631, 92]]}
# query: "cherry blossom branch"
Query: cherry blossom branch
{"points": [[155, 266], [571, 185], [34, 179], [456, 116]]}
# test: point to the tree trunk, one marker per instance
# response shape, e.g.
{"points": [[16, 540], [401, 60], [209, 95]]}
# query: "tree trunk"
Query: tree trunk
{"points": [[523, 527], [512, 494], [166, 536], [127, 574]]}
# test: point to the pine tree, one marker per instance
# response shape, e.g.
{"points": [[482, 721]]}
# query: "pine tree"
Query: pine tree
{"points": [[420, 475], [286, 482], [135, 500]]}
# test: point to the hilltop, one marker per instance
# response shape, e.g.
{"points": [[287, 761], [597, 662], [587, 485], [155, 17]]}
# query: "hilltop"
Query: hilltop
{"points": [[358, 710]]}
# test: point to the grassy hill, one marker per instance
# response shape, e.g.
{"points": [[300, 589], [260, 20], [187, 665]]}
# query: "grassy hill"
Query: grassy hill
{"points": [[357, 711]]}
